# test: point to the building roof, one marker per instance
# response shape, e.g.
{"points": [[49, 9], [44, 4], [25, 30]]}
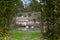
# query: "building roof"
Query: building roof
{"points": [[26, 21], [24, 18]]}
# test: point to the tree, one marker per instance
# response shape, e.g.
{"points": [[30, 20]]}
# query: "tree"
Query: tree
{"points": [[34, 5], [7, 12], [51, 9]]}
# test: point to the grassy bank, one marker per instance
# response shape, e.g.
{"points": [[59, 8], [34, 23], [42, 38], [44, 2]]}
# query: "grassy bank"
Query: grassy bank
{"points": [[24, 35]]}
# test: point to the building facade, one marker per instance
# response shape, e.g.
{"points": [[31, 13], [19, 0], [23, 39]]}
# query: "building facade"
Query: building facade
{"points": [[26, 21]]}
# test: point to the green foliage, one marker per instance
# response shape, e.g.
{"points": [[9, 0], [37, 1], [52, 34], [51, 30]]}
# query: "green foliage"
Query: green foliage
{"points": [[7, 12], [35, 6], [50, 17], [51, 9]]}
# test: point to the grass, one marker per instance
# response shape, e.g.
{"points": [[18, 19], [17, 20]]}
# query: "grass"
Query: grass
{"points": [[20, 35], [34, 34]]}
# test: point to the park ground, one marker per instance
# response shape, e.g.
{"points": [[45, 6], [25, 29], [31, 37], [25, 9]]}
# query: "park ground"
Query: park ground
{"points": [[24, 35]]}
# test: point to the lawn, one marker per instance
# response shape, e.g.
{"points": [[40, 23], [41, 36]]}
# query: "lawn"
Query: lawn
{"points": [[24, 35]]}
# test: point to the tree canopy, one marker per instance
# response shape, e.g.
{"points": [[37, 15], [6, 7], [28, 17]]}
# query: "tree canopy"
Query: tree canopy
{"points": [[51, 10], [7, 11]]}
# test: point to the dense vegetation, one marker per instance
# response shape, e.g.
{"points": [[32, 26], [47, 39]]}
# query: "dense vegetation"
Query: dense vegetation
{"points": [[7, 11], [50, 16]]}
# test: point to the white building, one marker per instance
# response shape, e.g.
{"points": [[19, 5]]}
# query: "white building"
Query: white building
{"points": [[26, 21]]}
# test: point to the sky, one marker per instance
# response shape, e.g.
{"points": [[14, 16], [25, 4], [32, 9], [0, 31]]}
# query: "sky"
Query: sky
{"points": [[27, 2]]}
